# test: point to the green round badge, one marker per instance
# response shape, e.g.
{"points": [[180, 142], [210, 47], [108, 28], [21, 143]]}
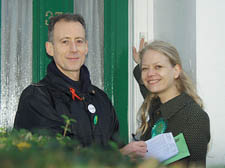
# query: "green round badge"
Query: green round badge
{"points": [[95, 119], [159, 127]]}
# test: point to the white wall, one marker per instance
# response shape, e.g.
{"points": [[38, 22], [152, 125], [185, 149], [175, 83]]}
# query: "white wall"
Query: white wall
{"points": [[211, 71], [174, 22]]}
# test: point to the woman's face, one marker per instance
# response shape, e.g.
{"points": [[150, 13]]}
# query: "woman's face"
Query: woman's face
{"points": [[158, 74]]}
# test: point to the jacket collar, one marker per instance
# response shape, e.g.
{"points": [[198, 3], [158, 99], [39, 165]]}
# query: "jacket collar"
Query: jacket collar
{"points": [[173, 106], [62, 82]]}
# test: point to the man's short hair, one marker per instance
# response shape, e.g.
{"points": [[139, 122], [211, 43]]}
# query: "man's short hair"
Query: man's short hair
{"points": [[66, 17]]}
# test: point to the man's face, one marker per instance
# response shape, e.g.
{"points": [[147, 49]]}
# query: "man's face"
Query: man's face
{"points": [[69, 47]]}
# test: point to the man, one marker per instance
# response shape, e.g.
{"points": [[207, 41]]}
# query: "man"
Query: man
{"points": [[67, 89]]}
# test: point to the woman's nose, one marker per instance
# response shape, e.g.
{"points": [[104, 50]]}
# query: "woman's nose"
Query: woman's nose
{"points": [[150, 72]]}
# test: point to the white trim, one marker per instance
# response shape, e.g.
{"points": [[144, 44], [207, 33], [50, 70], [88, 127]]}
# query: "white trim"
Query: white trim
{"points": [[140, 24], [130, 66]]}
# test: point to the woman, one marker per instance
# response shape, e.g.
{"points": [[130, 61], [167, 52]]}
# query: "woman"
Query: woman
{"points": [[170, 99]]}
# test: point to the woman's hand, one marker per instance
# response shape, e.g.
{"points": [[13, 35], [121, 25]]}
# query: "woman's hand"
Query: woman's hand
{"points": [[136, 55]]}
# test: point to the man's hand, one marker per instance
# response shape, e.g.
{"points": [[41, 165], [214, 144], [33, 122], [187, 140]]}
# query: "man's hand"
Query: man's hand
{"points": [[135, 149], [136, 55]]}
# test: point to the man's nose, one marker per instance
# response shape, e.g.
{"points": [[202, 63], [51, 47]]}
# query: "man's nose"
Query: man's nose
{"points": [[73, 47]]}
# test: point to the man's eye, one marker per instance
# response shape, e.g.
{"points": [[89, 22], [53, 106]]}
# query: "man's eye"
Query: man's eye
{"points": [[79, 41], [65, 41]]}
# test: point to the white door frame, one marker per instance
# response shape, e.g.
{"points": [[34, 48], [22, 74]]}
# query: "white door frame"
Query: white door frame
{"points": [[140, 25]]}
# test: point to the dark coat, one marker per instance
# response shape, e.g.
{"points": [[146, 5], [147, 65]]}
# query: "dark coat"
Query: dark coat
{"points": [[182, 115], [41, 106]]}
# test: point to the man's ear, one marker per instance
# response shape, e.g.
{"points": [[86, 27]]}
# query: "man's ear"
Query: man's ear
{"points": [[177, 70], [49, 48]]}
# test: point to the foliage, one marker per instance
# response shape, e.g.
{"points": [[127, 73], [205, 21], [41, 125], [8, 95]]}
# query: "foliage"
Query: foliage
{"points": [[68, 121], [23, 149]]}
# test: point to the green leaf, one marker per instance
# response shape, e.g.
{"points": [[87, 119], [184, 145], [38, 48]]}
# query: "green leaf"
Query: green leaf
{"points": [[65, 117], [73, 120]]}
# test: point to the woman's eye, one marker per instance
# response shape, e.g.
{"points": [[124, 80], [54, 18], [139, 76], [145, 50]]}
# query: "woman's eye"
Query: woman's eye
{"points": [[158, 66], [144, 69]]}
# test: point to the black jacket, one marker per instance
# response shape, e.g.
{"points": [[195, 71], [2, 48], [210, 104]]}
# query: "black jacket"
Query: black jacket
{"points": [[41, 106], [182, 115]]}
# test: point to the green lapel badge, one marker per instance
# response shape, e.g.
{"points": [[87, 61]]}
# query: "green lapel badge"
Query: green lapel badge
{"points": [[95, 119], [159, 127]]}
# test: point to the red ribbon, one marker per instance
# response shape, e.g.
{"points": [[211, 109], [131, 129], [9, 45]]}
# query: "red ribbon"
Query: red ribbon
{"points": [[74, 95]]}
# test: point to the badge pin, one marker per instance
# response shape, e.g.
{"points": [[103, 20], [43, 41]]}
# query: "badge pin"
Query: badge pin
{"points": [[91, 108]]}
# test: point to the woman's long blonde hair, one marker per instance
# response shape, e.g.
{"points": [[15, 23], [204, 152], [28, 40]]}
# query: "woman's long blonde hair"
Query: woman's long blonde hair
{"points": [[183, 82]]}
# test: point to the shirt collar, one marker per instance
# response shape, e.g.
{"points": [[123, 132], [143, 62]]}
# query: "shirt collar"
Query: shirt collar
{"points": [[171, 107]]}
